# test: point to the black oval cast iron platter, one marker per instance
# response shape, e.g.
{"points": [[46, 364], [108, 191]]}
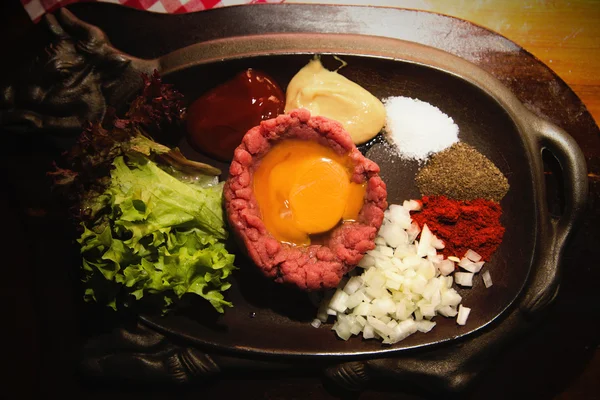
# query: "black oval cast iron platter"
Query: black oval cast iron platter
{"points": [[271, 320]]}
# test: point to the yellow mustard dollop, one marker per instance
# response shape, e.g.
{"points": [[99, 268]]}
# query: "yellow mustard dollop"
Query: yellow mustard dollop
{"points": [[329, 94]]}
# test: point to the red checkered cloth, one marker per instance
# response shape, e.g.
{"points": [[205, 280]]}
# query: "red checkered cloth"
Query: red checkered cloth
{"points": [[37, 8]]}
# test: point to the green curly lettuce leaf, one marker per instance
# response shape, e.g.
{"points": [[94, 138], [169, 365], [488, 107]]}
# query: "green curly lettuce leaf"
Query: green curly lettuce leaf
{"points": [[157, 235], [150, 219]]}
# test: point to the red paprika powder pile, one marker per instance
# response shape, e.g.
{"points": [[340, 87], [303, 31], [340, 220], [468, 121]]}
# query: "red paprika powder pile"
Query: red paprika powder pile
{"points": [[462, 225]]}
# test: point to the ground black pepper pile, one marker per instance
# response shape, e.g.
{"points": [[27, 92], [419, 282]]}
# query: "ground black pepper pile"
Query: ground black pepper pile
{"points": [[461, 172]]}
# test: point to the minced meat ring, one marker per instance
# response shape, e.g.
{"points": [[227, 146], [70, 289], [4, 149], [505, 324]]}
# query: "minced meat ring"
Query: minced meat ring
{"points": [[317, 266]]}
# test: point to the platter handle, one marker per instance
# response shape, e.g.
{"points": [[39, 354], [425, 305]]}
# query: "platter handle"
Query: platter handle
{"points": [[545, 281]]}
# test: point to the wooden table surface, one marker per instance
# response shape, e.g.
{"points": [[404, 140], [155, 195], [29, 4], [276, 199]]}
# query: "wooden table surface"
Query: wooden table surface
{"points": [[563, 35]]}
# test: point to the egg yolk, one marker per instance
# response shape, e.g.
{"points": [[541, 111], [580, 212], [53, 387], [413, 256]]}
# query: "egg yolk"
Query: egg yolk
{"points": [[303, 188]]}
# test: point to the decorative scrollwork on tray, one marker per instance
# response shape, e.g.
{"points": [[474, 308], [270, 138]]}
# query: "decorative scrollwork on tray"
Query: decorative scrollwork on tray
{"points": [[140, 354], [75, 79]]}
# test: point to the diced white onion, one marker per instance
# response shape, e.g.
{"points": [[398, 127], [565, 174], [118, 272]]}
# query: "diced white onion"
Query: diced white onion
{"points": [[448, 311], [380, 241], [451, 297], [464, 261], [367, 261], [402, 331], [471, 266], [355, 299], [427, 270], [362, 309], [393, 235], [427, 310], [355, 327], [342, 329], [473, 256], [383, 306], [463, 314], [424, 241], [425, 325], [386, 251], [393, 285], [338, 301], [404, 251], [418, 315], [487, 279], [398, 215], [463, 278], [435, 258], [413, 231], [412, 261], [412, 205], [449, 281], [368, 332], [379, 326], [353, 284], [322, 314], [446, 267], [402, 284]]}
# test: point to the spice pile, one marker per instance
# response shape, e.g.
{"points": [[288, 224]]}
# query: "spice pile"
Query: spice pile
{"points": [[462, 225], [461, 191], [462, 188], [461, 172], [418, 128]]}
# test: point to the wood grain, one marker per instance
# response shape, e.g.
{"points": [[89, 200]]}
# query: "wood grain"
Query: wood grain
{"points": [[564, 35]]}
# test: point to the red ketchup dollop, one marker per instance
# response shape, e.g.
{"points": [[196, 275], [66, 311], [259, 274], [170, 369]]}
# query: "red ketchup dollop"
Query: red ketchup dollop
{"points": [[217, 121]]}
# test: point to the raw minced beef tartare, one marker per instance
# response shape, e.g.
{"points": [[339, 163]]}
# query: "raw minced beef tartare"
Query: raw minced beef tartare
{"points": [[316, 266]]}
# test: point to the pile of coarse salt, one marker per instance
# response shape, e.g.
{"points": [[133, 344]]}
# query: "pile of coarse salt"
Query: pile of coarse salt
{"points": [[417, 128]]}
